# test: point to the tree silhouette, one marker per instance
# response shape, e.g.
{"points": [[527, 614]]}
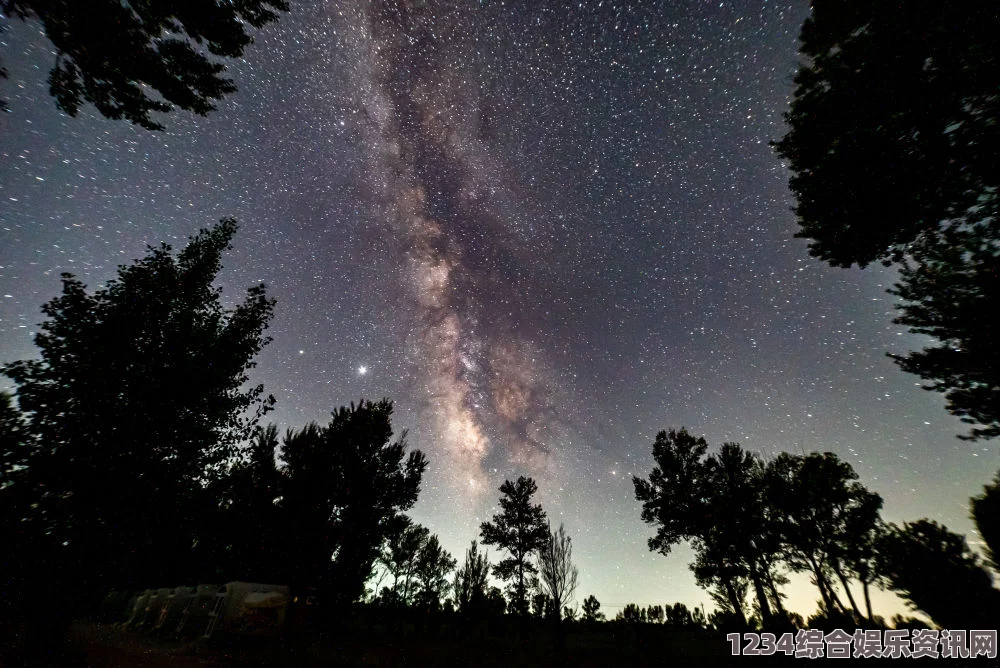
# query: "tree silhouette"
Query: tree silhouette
{"points": [[138, 398], [469, 587], [671, 497], [894, 147], [747, 539], [419, 567], [556, 573], [248, 539], [937, 573], [986, 515], [519, 529], [678, 615], [346, 487], [893, 125], [20, 523], [592, 610], [824, 515], [946, 285], [434, 565], [400, 554], [541, 605], [858, 549], [113, 54], [14, 440], [630, 614], [690, 496], [729, 597]]}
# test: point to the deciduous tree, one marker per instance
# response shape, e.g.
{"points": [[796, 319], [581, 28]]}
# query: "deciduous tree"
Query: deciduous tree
{"points": [[937, 573], [346, 488], [557, 575], [986, 515], [894, 147], [134, 59], [592, 610], [434, 565], [893, 128], [139, 396]]}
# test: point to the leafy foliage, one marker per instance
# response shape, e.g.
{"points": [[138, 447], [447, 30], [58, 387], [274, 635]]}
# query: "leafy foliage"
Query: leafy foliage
{"points": [[671, 495], [690, 496], [986, 514], [399, 555], [434, 565], [346, 487], [893, 126], [418, 565], [470, 582], [248, 539], [113, 54], [949, 283], [592, 610], [519, 529], [935, 571], [140, 395], [14, 440], [894, 146], [824, 516]]}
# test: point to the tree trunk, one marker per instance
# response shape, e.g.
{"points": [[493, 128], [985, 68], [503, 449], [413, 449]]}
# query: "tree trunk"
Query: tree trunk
{"points": [[521, 594], [833, 597], [868, 603], [782, 613], [765, 609], [821, 584], [847, 588], [735, 602]]}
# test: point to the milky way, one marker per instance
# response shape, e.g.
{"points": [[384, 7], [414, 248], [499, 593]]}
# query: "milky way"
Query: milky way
{"points": [[546, 230], [445, 197]]}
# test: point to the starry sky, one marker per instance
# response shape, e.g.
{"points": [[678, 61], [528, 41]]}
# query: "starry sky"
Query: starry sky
{"points": [[547, 230]]}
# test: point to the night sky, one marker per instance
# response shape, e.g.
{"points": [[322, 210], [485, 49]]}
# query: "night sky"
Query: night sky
{"points": [[545, 230]]}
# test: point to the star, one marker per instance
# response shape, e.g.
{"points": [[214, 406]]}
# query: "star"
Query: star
{"points": [[362, 370]]}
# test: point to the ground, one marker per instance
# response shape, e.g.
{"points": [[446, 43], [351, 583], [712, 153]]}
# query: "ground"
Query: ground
{"points": [[104, 646]]}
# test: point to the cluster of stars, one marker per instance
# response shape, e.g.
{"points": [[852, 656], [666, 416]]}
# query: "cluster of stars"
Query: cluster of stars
{"points": [[546, 231]]}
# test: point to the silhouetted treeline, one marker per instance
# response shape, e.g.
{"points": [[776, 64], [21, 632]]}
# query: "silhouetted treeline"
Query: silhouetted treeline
{"points": [[751, 521], [134, 457]]}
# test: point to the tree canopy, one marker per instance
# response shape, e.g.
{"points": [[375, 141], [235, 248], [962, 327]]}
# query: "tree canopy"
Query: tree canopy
{"points": [[986, 515], [689, 495], [935, 571], [894, 148], [519, 529], [470, 583], [795, 512], [893, 125], [947, 286], [114, 54], [346, 487], [140, 394]]}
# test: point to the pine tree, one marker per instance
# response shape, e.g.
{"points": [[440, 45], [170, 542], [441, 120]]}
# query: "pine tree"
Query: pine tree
{"points": [[519, 529]]}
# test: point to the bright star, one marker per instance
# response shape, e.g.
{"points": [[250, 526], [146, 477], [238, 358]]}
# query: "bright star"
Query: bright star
{"points": [[362, 370]]}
